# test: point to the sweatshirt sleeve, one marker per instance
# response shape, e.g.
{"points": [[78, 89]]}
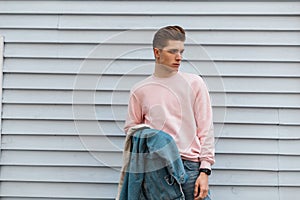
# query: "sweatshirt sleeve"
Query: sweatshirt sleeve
{"points": [[134, 115], [204, 122]]}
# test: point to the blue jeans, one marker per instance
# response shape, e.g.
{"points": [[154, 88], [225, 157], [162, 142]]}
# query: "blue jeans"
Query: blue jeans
{"points": [[192, 170]]}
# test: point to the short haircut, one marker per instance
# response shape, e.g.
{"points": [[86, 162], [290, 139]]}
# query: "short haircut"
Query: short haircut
{"points": [[163, 35]]}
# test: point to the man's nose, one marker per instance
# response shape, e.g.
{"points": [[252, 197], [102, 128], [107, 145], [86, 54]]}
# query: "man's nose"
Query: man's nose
{"points": [[178, 56]]}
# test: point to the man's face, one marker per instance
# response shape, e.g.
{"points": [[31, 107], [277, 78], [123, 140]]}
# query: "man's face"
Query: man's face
{"points": [[171, 55]]}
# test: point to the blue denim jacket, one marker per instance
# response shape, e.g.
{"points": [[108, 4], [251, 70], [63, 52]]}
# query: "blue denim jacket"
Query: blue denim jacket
{"points": [[155, 169]]}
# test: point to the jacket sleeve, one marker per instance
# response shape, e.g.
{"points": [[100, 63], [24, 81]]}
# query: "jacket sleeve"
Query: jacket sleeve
{"points": [[134, 115], [204, 121]]}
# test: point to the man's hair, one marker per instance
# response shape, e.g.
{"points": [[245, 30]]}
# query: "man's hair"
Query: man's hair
{"points": [[163, 35]]}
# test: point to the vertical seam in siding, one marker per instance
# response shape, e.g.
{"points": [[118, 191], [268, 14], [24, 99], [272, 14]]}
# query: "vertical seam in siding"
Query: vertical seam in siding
{"points": [[278, 153], [1, 81], [58, 21], [278, 159]]}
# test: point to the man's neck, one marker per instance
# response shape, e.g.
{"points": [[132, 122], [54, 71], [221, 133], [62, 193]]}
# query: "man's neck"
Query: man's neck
{"points": [[163, 71]]}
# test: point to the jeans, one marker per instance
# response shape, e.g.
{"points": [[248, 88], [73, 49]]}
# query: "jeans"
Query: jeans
{"points": [[192, 170]]}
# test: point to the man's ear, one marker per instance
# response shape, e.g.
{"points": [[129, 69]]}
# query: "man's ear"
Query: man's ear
{"points": [[156, 53]]}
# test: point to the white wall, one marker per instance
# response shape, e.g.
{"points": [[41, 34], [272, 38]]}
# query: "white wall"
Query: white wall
{"points": [[68, 68]]}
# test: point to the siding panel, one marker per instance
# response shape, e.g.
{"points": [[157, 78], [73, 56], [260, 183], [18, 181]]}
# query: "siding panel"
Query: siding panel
{"points": [[62, 127], [93, 22], [61, 174], [246, 162], [147, 7], [288, 192], [64, 143], [244, 178], [57, 190], [118, 113], [113, 82], [247, 193], [195, 52], [190, 22], [141, 36], [68, 68], [247, 100], [61, 158], [144, 67], [28, 21], [289, 179]]}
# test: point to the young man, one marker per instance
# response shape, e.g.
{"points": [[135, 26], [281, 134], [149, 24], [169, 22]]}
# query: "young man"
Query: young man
{"points": [[179, 104]]}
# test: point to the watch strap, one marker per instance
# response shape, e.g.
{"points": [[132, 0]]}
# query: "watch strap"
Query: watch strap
{"points": [[205, 170]]}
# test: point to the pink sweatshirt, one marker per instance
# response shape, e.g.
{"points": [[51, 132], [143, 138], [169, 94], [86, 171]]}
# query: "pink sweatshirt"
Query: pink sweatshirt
{"points": [[179, 105]]}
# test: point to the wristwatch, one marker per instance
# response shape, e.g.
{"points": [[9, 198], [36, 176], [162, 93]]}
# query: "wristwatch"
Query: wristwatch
{"points": [[205, 170]]}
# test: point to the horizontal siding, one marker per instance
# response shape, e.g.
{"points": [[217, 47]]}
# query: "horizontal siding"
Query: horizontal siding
{"points": [[201, 22], [115, 144], [108, 175], [247, 192], [232, 161], [61, 158], [113, 128], [65, 97], [57, 190], [141, 36], [66, 143], [62, 127], [144, 67], [69, 66], [124, 83], [63, 174], [92, 112], [147, 7], [194, 52]]}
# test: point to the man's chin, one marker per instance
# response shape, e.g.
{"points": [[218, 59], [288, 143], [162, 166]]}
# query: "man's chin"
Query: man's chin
{"points": [[174, 67], [171, 68]]}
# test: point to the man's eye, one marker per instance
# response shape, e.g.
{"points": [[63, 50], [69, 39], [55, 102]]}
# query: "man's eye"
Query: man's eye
{"points": [[173, 51]]}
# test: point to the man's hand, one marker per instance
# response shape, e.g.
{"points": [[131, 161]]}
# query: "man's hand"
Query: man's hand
{"points": [[201, 187]]}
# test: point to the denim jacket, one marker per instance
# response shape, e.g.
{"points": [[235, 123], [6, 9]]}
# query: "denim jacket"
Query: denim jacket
{"points": [[154, 169]]}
